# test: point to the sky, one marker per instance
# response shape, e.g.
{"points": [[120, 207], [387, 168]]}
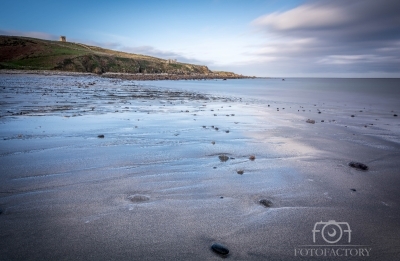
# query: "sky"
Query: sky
{"points": [[265, 38]]}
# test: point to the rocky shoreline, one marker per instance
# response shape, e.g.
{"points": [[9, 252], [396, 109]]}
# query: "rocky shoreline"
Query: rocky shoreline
{"points": [[134, 76], [166, 76]]}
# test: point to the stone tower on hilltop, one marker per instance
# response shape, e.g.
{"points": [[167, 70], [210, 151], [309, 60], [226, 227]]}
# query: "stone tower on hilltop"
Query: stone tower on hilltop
{"points": [[63, 38]]}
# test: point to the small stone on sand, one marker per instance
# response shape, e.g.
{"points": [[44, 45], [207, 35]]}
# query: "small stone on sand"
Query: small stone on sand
{"points": [[358, 165], [138, 198], [395, 115], [265, 202], [213, 142], [220, 249], [240, 172], [100, 136], [354, 190], [223, 158], [310, 121], [252, 157]]}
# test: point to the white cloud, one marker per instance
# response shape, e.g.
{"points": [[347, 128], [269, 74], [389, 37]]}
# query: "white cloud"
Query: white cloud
{"points": [[32, 34], [307, 16]]}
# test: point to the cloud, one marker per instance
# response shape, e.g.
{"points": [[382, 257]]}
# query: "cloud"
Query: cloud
{"points": [[40, 35], [356, 20], [151, 51], [359, 36], [305, 18]]}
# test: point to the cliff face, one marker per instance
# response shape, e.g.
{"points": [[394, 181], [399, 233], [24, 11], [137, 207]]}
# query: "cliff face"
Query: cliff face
{"points": [[35, 54]]}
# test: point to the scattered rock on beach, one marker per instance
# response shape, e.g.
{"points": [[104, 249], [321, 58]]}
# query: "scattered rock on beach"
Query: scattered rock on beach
{"points": [[137, 198], [223, 158], [265, 202], [395, 115], [252, 157], [358, 165], [310, 121], [220, 249], [101, 136], [352, 116], [213, 142], [354, 190], [240, 172]]}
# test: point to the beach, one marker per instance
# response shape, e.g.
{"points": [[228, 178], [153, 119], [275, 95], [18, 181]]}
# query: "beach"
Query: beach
{"points": [[94, 168]]}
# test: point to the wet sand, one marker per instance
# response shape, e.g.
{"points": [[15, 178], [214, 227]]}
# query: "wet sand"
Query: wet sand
{"points": [[155, 187]]}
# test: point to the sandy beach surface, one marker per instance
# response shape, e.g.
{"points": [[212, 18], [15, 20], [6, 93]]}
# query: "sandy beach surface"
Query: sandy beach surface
{"points": [[106, 169]]}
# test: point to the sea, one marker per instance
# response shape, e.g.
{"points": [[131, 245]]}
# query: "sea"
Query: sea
{"points": [[361, 91]]}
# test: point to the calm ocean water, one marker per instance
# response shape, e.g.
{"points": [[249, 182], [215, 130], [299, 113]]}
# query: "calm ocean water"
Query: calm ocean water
{"points": [[384, 93]]}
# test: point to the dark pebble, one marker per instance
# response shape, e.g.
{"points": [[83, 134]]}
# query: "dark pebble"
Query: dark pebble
{"points": [[395, 115], [265, 202], [220, 249], [100, 136], [214, 167], [223, 158], [227, 131], [358, 165], [221, 197], [240, 172], [352, 115], [354, 190], [252, 157], [138, 198]]}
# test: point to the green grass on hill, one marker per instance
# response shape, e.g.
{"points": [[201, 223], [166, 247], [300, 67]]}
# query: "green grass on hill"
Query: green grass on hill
{"points": [[35, 54]]}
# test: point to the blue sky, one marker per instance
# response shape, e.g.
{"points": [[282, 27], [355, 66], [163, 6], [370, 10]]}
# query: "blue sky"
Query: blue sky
{"points": [[358, 38]]}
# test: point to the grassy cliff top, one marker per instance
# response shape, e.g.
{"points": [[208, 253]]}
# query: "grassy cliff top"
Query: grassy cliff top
{"points": [[25, 53]]}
